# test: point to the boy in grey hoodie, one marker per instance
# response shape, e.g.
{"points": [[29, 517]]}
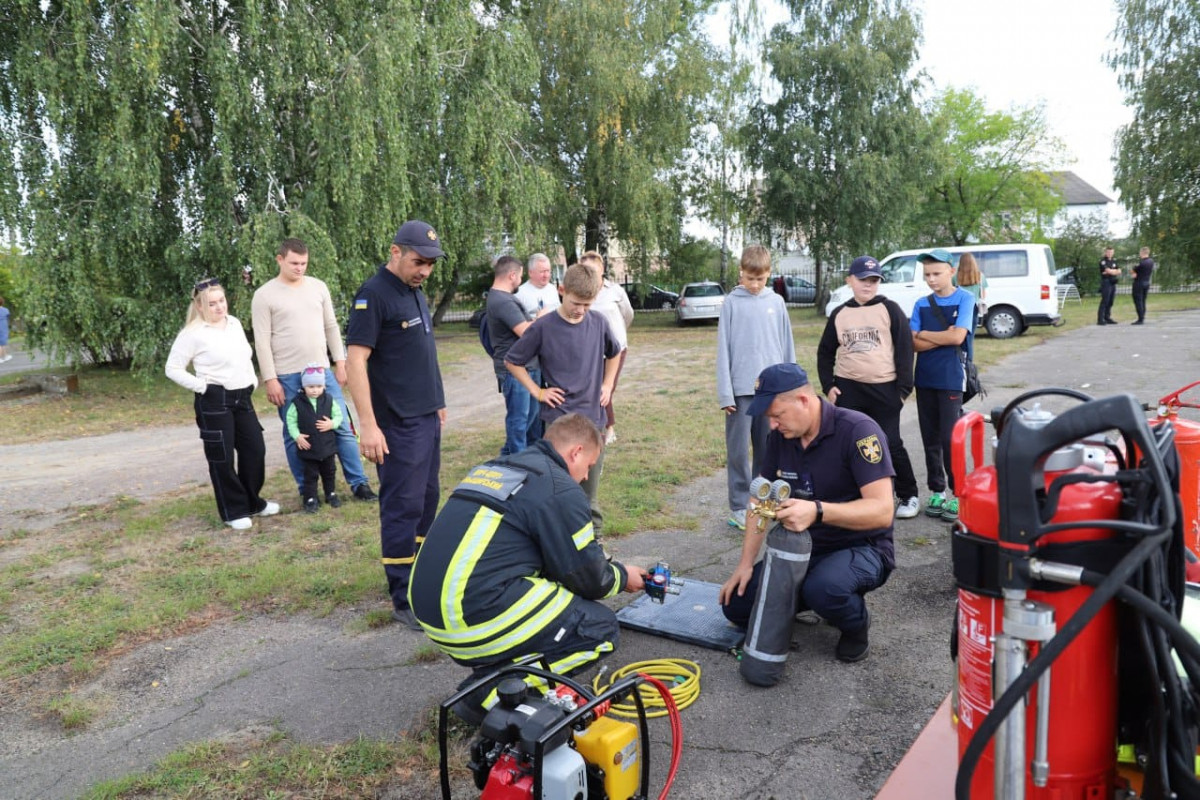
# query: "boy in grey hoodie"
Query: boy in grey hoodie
{"points": [[753, 333]]}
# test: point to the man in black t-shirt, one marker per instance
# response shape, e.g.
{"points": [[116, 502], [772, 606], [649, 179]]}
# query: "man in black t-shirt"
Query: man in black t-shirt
{"points": [[1110, 273], [397, 389], [507, 320], [1141, 283]]}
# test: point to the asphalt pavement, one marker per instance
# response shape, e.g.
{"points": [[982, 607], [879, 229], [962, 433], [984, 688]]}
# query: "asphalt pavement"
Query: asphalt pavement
{"points": [[828, 730]]}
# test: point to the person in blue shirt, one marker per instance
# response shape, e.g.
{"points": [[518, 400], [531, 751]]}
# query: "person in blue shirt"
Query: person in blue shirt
{"points": [[939, 333]]}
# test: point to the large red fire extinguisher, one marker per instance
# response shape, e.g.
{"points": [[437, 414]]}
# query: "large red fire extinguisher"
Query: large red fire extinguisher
{"points": [[1187, 443], [1051, 502]]}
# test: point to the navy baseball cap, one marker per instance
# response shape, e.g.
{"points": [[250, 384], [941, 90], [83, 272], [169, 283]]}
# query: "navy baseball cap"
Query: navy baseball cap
{"points": [[937, 255], [775, 379], [865, 267], [419, 236]]}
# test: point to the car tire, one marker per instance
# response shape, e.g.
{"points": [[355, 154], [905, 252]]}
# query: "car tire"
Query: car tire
{"points": [[1004, 322], [667, 305]]}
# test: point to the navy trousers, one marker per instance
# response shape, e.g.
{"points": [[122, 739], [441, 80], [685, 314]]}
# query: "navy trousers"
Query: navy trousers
{"points": [[833, 587], [408, 496]]}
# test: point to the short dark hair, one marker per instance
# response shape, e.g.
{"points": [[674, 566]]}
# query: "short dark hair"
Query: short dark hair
{"points": [[296, 246], [506, 265]]}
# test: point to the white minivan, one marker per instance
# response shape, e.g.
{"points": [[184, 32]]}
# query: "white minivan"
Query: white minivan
{"points": [[1022, 288]]}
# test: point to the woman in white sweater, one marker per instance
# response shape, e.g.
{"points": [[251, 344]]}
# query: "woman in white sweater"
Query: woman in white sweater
{"points": [[215, 345]]}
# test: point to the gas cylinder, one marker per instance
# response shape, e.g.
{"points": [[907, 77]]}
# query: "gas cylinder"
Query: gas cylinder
{"points": [[1082, 694]]}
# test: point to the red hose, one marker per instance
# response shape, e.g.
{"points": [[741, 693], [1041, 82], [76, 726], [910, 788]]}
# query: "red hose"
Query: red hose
{"points": [[676, 731]]}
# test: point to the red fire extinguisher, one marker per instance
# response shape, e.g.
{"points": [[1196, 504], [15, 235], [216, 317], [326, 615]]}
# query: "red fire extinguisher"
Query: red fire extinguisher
{"points": [[1187, 442], [1051, 502]]}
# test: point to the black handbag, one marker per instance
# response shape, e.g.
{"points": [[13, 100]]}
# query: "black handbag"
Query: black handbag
{"points": [[972, 386]]}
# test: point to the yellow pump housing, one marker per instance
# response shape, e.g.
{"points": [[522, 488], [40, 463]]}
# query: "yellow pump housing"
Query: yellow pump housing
{"points": [[614, 747]]}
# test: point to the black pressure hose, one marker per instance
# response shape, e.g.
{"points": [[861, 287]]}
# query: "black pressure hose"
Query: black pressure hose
{"points": [[1105, 591], [1154, 524]]}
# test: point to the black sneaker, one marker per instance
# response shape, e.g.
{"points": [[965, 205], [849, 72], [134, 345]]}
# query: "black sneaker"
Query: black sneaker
{"points": [[855, 646], [311, 504], [333, 500], [363, 492], [405, 617]]}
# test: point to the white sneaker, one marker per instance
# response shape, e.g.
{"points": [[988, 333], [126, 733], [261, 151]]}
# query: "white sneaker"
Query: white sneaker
{"points": [[6, 358], [240, 524], [610, 435], [269, 510], [738, 519], [909, 508]]}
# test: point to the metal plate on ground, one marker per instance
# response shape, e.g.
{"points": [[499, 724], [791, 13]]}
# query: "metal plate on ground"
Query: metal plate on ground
{"points": [[692, 616]]}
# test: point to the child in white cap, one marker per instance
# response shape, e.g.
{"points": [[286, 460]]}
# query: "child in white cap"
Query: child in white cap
{"points": [[312, 420]]}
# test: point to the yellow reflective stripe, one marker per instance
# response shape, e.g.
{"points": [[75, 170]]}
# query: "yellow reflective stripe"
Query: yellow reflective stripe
{"points": [[419, 539], [616, 587], [475, 540], [407, 560], [539, 591], [510, 640], [569, 663], [583, 536]]}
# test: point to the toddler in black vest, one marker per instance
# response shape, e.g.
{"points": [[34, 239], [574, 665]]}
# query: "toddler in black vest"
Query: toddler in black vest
{"points": [[312, 420]]}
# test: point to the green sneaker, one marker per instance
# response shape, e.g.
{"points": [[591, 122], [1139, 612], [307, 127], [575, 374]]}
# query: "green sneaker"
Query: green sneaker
{"points": [[950, 509], [934, 507]]}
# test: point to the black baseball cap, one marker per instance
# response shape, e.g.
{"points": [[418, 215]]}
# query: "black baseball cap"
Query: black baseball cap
{"points": [[419, 236], [775, 379]]}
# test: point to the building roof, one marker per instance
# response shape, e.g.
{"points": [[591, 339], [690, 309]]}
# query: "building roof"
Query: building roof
{"points": [[1076, 191]]}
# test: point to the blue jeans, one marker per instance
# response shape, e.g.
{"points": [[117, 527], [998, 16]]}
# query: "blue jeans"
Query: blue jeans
{"points": [[521, 420], [347, 442]]}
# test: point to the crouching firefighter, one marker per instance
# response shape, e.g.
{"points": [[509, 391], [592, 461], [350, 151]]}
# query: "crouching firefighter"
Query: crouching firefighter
{"points": [[837, 466], [511, 567]]}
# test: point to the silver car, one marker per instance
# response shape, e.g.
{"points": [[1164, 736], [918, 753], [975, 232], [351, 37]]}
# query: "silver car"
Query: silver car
{"points": [[699, 301]]}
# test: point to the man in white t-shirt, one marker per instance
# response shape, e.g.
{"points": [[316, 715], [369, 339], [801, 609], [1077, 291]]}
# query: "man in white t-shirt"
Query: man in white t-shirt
{"points": [[537, 294], [294, 325]]}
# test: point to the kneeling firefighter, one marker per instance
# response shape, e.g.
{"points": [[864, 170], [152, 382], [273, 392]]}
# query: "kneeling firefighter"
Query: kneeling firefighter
{"points": [[511, 566]]}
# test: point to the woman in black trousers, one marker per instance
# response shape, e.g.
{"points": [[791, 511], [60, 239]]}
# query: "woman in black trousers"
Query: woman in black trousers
{"points": [[214, 343]]}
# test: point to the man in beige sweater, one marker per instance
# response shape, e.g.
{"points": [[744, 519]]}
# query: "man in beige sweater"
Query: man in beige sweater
{"points": [[294, 325]]}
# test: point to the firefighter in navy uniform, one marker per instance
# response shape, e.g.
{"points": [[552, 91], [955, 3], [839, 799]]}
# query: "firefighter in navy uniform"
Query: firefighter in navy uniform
{"points": [[1110, 273], [511, 566]]}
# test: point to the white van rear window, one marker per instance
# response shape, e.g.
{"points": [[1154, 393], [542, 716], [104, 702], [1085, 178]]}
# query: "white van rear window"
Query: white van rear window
{"points": [[1004, 263]]}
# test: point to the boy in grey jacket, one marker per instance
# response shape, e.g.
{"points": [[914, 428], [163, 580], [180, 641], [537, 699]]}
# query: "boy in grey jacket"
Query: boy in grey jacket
{"points": [[753, 333]]}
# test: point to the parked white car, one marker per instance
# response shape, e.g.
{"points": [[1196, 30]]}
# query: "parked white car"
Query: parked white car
{"points": [[699, 301], [1022, 286]]}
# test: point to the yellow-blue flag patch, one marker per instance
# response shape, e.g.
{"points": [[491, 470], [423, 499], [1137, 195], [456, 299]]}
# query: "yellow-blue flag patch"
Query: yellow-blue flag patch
{"points": [[360, 304]]}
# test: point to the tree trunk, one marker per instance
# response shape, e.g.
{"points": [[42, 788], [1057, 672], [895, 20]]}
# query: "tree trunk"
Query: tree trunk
{"points": [[595, 233]]}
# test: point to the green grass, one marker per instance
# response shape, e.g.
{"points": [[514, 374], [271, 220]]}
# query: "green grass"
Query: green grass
{"points": [[279, 768], [117, 576]]}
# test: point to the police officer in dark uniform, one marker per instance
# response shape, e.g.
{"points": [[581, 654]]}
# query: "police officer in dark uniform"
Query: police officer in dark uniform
{"points": [[1141, 283], [1110, 273], [511, 566], [397, 388]]}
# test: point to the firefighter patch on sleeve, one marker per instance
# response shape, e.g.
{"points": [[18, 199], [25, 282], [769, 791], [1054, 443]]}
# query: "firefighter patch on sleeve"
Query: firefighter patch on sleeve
{"points": [[870, 449]]}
